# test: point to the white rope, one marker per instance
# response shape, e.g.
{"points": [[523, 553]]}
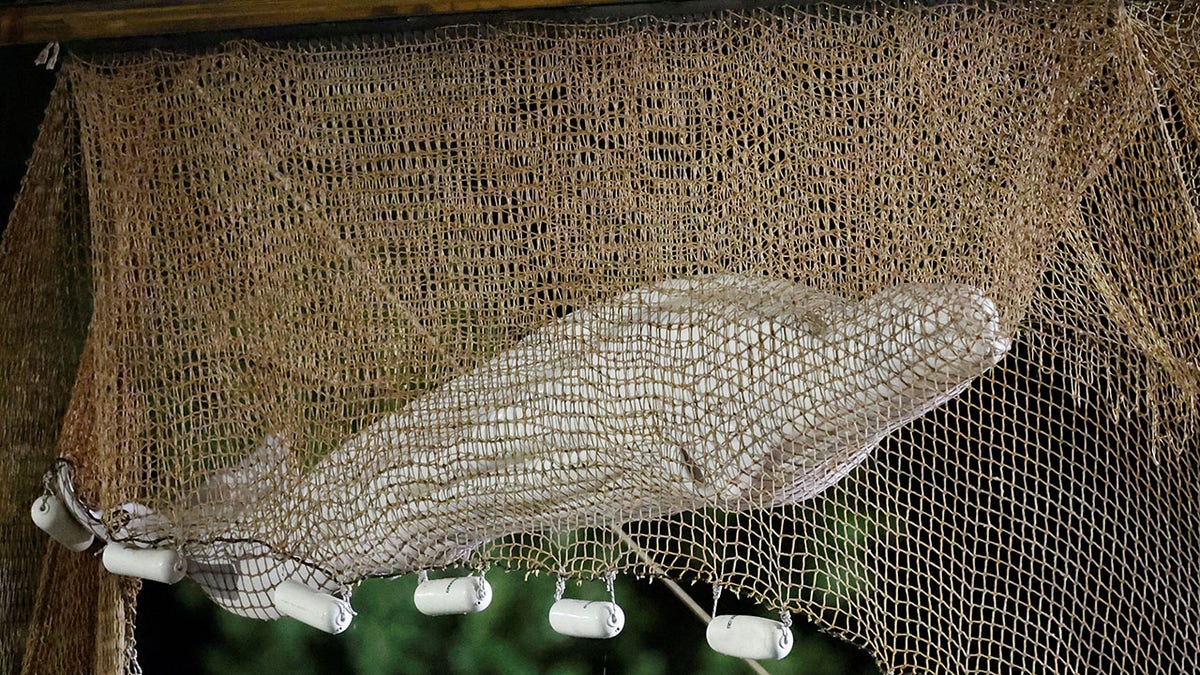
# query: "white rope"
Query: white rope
{"points": [[48, 57], [686, 599]]}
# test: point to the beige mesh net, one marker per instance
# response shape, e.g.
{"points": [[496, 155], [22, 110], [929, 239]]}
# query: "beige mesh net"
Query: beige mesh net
{"points": [[887, 317]]}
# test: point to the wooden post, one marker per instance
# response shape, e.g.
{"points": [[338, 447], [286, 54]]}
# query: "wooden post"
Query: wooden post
{"points": [[102, 19]]}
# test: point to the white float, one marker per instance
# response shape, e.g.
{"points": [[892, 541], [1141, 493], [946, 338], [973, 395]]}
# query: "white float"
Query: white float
{"points": [[587, 618], [156, 564], [49, 514], [319, 610], [460, 595], [749, 637]]}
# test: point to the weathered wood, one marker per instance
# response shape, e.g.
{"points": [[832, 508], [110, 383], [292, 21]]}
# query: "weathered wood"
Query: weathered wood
{"points": [[108, 19]]}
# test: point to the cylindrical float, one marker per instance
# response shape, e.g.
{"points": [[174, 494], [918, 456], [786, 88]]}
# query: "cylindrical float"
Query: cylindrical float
{"points": [[749, 637], [460, 595], [53, 518], [319, 610], [587, 618], [156, 564]]}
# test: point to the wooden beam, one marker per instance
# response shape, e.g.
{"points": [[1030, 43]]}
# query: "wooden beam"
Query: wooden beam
{"points": [[103, 19]]}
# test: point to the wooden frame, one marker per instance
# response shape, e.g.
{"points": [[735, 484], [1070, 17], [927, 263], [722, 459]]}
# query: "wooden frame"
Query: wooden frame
{"points": [[106, 19]]}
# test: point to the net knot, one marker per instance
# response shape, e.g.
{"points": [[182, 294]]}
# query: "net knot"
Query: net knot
{"points": [[560, 587]]}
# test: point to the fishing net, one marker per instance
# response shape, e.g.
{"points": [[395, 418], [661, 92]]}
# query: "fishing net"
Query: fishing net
{"points": [[886, 317]]}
